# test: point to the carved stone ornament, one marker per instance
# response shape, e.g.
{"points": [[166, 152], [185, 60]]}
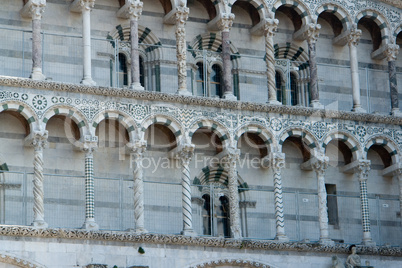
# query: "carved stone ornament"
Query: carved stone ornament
{"points": [[39, 139], [17, 261], [137, 148], [363, 169], [320, 164], [313, 32], [226, 22], [186, 153], [391, 52], [135, 9], [89, 148], [270, 26], [87, 4], [354, 36], [277, 161]]}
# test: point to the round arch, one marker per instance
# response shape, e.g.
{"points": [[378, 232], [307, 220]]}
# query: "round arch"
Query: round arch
{"points": [[121, 117], [260, 131], [221, 131], [387, 144], [231, 262], [379, 20], [69, 112], [297, 5], [397, 31], [338, 11], [22, 109], [350, 141], [172, 124], [259, 5], [307, 138]]}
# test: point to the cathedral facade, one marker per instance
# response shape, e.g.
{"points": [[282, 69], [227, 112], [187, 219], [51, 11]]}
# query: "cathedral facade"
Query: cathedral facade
{"points": [[200, 133]]}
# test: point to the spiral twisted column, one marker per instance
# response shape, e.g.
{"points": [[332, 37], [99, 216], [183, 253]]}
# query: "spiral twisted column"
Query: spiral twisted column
{"points": [[135, 11], [270, 28], [89, 148], [319, 165], [277, 163], [185, 156], [181, 51], [363, 170], [39, 142], [229, 162], [137, 152], [312, 35], [391, 52]]}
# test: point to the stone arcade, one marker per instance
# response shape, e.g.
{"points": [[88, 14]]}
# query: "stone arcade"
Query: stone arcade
{"points": [[200, 133]]}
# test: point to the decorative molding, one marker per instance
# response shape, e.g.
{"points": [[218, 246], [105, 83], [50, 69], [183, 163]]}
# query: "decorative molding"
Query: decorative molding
{"points": [[200, 101], [130, 237], [6, 257]]}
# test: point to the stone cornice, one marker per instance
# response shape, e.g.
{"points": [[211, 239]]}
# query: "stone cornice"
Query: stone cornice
{"points": [[395, 3], [131, 237], [198, 101]]}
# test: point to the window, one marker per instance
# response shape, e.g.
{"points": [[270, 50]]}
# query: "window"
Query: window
{"points": [[278, 82], [200, 80], [293, 89], [332, 204], [122, 71], [215, 215], [209, 82], [216, 88]]}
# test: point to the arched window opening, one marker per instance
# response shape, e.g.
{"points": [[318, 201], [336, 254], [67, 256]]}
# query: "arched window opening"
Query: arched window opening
{"points": [[206, 215], [223, 227], [200, 84], [142, 75], [215, 215], [278, 83], [122, 71], [293, 89], [216, 78]]}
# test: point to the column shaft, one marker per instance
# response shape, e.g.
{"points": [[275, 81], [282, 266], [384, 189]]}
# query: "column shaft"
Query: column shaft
{"points": [[392, 51], [181, 50], [270, 28], [134, 11], [225, 25], [313, 72], [89, 223], [353, 41], [363, 170], [185, 156], [86, 42]]}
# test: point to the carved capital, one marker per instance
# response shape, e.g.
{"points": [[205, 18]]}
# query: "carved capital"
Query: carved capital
{"points": [[226, 22], [320, 164], [391, 52], [182, 15], [186, 153], [354, 37], [39, 140], [89, 148], [270, 27], [137, 148], [277, 161], [363, 169], [135, 9], [313, 32], [34, 9]]}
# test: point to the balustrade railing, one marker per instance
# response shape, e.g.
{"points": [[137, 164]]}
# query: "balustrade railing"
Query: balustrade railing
{"points": [[114, 209]]}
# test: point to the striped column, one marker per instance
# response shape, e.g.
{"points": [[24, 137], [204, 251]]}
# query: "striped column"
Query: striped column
{"points": [[90, 224], [362, 171], [229, 162], [181, 50], [135, 10], [185, 156], [391, 52], [39, 141], [137, 151], [320, 165], [269, 30], [278, 162]]}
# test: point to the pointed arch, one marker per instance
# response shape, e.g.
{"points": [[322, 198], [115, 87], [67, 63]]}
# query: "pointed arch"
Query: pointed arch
{"points": [[69, 112], [387, 144], [260, 131], [121, 117], [350, 141], [221, 131], [24, 110], [379, 20], [171, 123]]}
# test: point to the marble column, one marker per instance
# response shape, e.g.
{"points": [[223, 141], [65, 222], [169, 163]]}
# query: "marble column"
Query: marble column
{"points": [[225, 24], [362, 172], [89, 224], [35, 8], [39, 142], [134, 11], [137, 151], [398, 174], [320, 165], [86, 8], [277, 163], [312, 35], [353, 41], [391, 52], [229, 162], [269, 31], [185, 156], [181, 50]]}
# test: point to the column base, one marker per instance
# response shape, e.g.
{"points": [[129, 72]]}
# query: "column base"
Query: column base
{"points": [[39, 224], [37, 74], [282, 238], [88, 82], [90, 224], [358, 110], [189, 232], [326, 241], [140, 230], [184, 92], [274, 102], [136, 86], [316, 105], [396, 112], [367, 241], [229, 96]]}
